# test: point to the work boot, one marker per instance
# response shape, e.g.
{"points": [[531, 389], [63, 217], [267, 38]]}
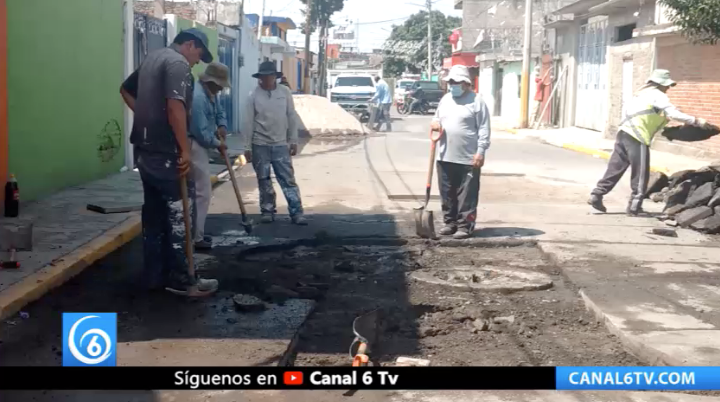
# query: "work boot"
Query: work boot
{"points": [[202, 287], [448, 230], [462, 233], [203, 245], [299, 220], [267, 218], [596, 201], [639, 212]]}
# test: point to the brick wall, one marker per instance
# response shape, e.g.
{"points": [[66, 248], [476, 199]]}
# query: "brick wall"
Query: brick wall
{"points": [[184, 9], [697, 71]]}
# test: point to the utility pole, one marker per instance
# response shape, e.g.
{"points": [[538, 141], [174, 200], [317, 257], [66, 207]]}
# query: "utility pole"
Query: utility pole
{"points": [[308, 58], [525, 81], [260, 23], [430, 68]]}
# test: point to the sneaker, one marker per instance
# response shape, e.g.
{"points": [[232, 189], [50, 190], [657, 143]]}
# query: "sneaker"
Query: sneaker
{"points": [[596, 202], [202, 288], [447, 230], [461, 234], [299, 220], [267, 218], [207, 238], [203, 245]]}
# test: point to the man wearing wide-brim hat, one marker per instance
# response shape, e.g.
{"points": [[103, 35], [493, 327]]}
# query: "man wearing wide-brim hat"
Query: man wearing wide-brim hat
{"points": [[270, 139], [208, 129], [644, 116]]}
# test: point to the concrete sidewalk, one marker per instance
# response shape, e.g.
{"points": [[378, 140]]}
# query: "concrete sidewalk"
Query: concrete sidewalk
{"points": [[593, 143], [67, 238]]}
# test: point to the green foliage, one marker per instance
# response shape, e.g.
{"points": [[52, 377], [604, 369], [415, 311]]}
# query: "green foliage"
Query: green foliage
{"points": [[406, 48], [322, 10], [698, 19]]}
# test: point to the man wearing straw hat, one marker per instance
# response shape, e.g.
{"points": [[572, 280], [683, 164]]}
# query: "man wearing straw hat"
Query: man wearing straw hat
{"points": [[208, 128], [464, 121], [270, 139], [644, 116]]}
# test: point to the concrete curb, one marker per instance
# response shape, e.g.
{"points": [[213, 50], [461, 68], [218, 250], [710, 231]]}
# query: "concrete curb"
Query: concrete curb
{"points": [[598, 153], [35, 285]]}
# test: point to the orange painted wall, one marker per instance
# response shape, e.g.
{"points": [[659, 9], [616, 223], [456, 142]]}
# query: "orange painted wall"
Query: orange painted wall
{"points": [[4, 153]]}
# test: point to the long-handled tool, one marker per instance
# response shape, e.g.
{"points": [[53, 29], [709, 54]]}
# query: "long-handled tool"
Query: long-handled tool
{"points": [[194, 292], [247, 224], [424, 220]]}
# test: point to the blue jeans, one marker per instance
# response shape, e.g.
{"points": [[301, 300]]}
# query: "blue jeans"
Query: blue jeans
{"points": [[163, 231], [278, 158], [383, 116]]}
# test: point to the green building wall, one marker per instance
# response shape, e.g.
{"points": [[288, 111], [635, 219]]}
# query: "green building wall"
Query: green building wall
{"points": [[65, 65]]}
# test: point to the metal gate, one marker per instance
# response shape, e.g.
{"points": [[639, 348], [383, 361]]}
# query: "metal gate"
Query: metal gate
{"points": [[590, 111], [150, 34], [226, 56]]}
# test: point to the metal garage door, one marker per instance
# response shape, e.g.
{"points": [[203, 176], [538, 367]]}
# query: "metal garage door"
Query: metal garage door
{"points": [[590, 111]]}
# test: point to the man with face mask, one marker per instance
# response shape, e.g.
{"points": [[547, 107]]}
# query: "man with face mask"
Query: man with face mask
{"points": [[464, 121], [208, 130]]}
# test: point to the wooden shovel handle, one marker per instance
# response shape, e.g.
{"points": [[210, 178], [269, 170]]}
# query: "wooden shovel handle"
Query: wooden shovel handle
{"points": [[188, 226]]}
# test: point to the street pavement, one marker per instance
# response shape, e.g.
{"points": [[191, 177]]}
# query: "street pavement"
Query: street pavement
{"points": [[658, 294]]}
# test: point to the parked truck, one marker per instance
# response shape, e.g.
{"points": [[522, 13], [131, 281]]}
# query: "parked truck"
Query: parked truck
{"points": [[353, 91]]}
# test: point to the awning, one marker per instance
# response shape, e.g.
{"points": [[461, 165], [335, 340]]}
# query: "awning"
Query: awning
{"points": [[464, 59], [447, 62]]}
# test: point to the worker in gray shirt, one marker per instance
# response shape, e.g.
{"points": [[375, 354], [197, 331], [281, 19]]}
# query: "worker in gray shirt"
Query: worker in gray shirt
{"points": [[270, 139], [464, 121]]}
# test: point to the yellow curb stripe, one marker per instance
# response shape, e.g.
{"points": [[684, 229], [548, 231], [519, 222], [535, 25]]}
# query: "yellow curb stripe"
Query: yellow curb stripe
{"points": [[35, 285], [606, 155]]}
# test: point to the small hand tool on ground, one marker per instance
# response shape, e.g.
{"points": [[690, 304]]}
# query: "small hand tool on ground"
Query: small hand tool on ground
{"points": [[424, 221], [366, 331], [247, 224], [15, 235]]}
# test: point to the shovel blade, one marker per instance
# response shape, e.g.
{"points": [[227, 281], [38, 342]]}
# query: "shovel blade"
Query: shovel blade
{"points": [[425, 223]]}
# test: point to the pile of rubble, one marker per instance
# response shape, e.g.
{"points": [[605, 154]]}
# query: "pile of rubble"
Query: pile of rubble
{"points": [[318, 117], [691, 197]]}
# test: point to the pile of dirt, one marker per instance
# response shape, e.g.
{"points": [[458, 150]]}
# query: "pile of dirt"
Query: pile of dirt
{"points": [[444, 324], [691, 197], [318, 117]]}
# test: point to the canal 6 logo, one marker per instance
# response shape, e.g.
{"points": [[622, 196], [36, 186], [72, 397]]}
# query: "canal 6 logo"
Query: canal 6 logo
{"points": [[89, 339]]}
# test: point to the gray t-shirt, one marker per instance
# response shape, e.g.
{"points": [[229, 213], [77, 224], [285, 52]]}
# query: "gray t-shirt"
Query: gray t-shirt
{"points": [[466, 124], [165, 74], [271, 118]]}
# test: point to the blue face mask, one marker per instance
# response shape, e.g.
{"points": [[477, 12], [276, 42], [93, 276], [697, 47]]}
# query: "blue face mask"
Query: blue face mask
{"points": [[456, 90]]}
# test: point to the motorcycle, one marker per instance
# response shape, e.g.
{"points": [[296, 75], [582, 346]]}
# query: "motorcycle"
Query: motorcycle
{"points": [[422, 108], [401, 106]]}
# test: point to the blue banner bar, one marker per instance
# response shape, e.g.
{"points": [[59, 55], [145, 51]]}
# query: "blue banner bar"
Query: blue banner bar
{"points": [[638, 378]]}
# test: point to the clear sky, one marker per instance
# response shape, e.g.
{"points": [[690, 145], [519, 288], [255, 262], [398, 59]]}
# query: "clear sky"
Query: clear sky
{"points": [[367, 12]]}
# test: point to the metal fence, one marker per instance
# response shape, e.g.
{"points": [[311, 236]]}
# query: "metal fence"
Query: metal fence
{"points": [[150, 34]]}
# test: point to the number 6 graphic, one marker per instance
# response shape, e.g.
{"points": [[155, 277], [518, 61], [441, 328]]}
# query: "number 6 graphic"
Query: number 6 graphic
{"points": [[93, 348]]}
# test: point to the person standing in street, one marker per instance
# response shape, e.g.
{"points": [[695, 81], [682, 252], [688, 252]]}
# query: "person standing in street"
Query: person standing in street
{"points": [[160, 93], [464, 121], [537, 100], [645, 115], [270, 139], [383, 103], [208, 130]]}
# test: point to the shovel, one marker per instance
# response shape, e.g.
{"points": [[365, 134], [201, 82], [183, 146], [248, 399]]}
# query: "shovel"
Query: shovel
{"points": [[365, 329], [424, 221], [247, 224]]}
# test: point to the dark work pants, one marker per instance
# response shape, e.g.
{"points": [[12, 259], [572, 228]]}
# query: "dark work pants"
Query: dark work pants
{"points": [[632, 153], [459, 189], [163, 230], [382, 115]]}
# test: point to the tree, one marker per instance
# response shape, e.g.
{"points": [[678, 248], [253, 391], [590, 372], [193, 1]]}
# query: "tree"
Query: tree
{"points": [[406, 48], [322, 11], [699, 20]]}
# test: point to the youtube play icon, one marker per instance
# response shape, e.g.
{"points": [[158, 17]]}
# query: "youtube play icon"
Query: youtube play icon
{"points": [[293, 378]]}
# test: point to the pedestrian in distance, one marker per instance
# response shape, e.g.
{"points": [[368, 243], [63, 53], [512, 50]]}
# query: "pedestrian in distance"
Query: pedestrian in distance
{"points": [[645, 115], [208, 130], [160, 93], [270, 140], [284, 81], [383, 103], [464, 121], [537, 100]]}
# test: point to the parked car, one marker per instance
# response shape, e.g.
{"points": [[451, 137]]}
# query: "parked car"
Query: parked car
{"points": [[401, 88], [353, 93]]}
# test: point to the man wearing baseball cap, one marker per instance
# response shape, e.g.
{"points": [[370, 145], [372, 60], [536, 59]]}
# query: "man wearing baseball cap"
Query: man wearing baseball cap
{"points": [[160, 93], [208, 129], [644, 116]]}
